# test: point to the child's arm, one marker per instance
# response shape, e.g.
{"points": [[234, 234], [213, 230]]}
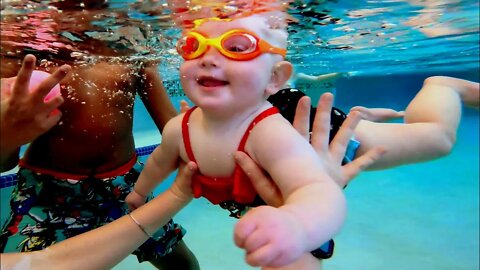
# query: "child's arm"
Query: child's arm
{"points": [[154, 96], [162, 162], [431, 122], [314, 207]]}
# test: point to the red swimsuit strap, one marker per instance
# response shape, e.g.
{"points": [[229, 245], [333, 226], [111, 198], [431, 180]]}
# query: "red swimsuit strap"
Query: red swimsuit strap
{"points": [[241, 145], [260, 117], [186, 134]]}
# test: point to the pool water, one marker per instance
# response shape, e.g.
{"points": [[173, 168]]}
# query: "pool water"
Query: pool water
{"points": [[423, 216]]}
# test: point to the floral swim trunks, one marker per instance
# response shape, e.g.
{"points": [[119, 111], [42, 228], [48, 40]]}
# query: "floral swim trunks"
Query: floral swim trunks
{"points": [[46, 209]]}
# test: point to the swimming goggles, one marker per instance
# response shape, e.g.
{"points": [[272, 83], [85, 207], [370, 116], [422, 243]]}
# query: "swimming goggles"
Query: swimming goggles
{"points": [[237, 44]]}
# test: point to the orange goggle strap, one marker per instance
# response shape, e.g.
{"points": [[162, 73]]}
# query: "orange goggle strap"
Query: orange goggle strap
{"points": [[203, 43]]}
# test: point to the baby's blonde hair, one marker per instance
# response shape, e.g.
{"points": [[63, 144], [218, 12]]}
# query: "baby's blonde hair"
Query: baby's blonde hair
{"points": [[276, 27]]}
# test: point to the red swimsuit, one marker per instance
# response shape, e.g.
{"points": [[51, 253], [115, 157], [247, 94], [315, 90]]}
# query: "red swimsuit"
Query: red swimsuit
{"points": [[221, 189]]}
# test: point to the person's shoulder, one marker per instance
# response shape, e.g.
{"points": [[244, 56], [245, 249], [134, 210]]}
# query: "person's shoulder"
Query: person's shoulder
{"points": [[274, 128], [174, 125]]}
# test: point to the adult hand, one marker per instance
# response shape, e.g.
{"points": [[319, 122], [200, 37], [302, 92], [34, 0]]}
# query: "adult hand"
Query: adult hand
{"points": [[182, 186], [333, 153], [24, 114]]}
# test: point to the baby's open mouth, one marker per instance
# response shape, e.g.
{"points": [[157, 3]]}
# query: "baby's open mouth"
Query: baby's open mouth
{"points": [[211, 82]]}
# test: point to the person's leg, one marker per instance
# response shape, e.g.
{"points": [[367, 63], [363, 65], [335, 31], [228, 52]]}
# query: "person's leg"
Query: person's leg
{"points": [[181, 257], [440, 101], [50, 210], [469, 91], [21, 232]]}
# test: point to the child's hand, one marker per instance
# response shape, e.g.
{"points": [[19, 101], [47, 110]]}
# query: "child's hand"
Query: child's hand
{"points": [[134, 200], [270, 236]]}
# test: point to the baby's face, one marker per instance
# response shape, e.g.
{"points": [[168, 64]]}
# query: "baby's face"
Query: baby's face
{"points": [[214, 80]]}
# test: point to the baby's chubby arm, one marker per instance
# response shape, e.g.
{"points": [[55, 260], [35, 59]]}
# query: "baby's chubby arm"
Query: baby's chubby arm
{"points": [[162, 162], [314, 207]]}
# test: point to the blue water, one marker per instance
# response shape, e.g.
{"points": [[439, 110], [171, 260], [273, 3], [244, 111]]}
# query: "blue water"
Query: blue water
{"points": [[423, 216]]}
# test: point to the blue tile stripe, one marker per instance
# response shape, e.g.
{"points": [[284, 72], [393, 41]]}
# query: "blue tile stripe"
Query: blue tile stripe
{"points": [[11, 179]]}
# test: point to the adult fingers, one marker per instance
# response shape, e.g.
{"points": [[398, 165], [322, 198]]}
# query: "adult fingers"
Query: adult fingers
{"points": [[339, 144], [301, 122], [321, 123], [263, 184], [46, 85], [183, 181], [50, 120], [359, 164], [22, 82], [52, 104]]}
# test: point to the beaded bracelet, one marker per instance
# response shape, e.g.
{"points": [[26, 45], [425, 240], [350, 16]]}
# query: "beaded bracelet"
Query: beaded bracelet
{"points": [[139, 225]]}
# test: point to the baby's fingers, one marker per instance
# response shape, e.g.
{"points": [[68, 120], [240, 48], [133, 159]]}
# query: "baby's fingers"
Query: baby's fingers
{"points": [[265, 256], [242, 230], [53, 104], [255, 240], [359, 164]]}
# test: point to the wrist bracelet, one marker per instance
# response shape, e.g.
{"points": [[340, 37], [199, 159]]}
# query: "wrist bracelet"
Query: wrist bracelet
{"points": [[139, 225], [139, 193]]}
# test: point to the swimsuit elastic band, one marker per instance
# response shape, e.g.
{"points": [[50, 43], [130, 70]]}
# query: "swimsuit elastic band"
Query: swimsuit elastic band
{"points": [[61, 175]]}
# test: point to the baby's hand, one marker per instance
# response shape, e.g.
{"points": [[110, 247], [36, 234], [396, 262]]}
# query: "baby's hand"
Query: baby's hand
{"points": [[271, 237], [378, 114], [134, 200]]}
